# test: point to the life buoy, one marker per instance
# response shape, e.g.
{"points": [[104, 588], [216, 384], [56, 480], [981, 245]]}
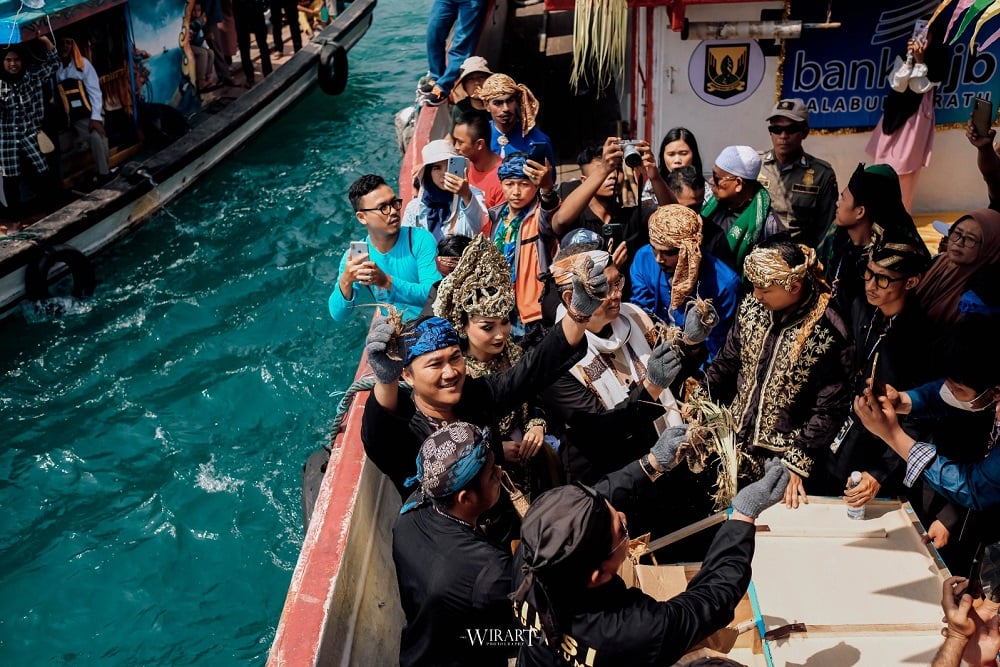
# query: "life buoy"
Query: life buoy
{"points": [[332, 68], [36, 274]]}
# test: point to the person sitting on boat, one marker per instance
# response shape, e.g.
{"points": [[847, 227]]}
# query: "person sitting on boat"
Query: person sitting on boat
{"points": [[449, 251], [478, 299], [688, 186], [802, 187], [525, 230], [22, 109], [784, 365], [872, 195], [447, 204], [972, 369], [513, 108], [568, 592], [399, 266], [473, 73], [889, 333], [596, 204], [619, 391], [973, 243], [671, 270], [740, 206], [431, 362], [466, 17], [472, 141]]}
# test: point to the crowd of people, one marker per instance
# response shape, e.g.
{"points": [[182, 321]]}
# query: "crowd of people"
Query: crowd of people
{"points": [[550, 334]]}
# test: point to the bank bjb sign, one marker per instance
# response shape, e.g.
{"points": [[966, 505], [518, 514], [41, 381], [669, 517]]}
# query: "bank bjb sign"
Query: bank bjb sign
{"points": [[843, 73]]}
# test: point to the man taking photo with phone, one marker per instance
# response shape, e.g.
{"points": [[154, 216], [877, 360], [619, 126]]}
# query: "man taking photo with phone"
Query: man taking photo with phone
{"points": [[399, 267]]}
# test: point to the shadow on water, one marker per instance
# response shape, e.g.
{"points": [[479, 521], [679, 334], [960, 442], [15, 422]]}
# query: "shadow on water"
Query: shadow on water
{"points": [[154, 435]]}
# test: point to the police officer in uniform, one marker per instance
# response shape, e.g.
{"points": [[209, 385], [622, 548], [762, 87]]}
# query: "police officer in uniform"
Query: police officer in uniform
{"points": [[803, 188]]}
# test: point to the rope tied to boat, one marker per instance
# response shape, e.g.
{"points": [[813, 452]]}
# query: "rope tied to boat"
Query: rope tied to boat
{"points": [[364, 383]]}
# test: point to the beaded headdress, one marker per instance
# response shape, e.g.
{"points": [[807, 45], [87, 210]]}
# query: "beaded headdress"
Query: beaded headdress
{"points": [[479, 285]]}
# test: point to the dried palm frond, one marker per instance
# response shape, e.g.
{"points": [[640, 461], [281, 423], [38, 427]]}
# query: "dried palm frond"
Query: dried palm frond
{"points": [[711, 430], [600, 36]]}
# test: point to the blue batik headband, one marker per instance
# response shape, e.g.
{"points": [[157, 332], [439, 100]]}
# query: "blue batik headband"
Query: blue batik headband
{"points": [[449, 460], [512, 166], [430, 335]]}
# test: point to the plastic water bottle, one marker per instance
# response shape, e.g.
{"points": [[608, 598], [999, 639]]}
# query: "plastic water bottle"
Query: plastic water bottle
{"points": [[855, 512]]}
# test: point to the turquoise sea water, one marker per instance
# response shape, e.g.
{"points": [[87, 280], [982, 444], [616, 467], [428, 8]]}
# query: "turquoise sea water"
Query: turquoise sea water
{"points": [[152, 441]]}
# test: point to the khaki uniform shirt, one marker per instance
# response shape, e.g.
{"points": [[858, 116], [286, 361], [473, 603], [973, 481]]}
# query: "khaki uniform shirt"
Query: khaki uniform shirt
{"points": [[803, 195]]}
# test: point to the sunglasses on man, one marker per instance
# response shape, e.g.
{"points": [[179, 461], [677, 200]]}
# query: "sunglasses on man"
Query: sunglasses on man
{"points": [[793, 128]]}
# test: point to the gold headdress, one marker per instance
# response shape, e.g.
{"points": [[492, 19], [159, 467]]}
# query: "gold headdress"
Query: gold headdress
{"points": [[479, 285], [765, 267], [501, 84], [679, 227]]}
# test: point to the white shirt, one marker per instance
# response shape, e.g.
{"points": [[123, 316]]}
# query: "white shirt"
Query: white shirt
{"points": [[91, 84]]}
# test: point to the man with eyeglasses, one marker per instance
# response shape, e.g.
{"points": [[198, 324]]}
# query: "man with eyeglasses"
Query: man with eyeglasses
{"points": [[740, 206], [608, 405], [398, 267], [889, 332], [803, 188]]}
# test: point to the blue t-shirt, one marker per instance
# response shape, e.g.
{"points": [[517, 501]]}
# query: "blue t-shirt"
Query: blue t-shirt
{"points": [[410, 263], [652, 288]]}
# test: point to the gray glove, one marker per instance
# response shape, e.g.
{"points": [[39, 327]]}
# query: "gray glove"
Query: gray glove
{"points": [[766, 491], [588, 296], [665, 449], [387, 371], [697, 327], [663, 365]]}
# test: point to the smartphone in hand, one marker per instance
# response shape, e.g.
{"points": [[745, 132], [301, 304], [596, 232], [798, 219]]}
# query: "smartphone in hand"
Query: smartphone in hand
{"points": [[456, 166], [538, 152], [982, 116], [357, 249], [877, 384]]}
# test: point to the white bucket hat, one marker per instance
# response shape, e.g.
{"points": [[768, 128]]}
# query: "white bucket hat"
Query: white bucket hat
{"points": [[470, 65], [438, 150]]}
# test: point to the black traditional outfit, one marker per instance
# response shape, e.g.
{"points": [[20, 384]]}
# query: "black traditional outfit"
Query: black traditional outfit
{"points": [[453, 581], [786, 375], [615, 625], [392, 439], [891, 344]]}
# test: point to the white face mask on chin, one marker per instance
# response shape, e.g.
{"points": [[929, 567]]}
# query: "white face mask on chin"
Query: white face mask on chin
{"points": [[949, 399]]}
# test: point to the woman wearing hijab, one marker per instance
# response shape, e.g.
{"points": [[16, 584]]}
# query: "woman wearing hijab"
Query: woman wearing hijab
{"points": [[22, 109], [973, 243], [904, 137], [447, 203]]}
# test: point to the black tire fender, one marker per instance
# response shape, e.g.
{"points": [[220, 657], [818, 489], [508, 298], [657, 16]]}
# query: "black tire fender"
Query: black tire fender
{"points": [[332, 69], [36, 274]]}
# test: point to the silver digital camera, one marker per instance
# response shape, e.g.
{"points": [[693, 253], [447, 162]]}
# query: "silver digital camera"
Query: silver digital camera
{"points": [[632, 157]]}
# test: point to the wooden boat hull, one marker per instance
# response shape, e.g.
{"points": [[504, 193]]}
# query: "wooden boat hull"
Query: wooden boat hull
{"points": [[343, 605], [97, 220]]}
